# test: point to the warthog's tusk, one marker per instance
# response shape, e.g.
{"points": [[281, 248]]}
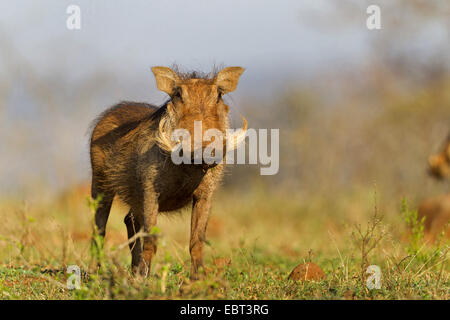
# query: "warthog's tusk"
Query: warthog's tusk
{"points": [[163, 136], [235, 139]]}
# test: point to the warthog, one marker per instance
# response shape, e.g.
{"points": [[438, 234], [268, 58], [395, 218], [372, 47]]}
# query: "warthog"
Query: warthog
{"points": [[130, 157], [439, 164], [436, 210]]}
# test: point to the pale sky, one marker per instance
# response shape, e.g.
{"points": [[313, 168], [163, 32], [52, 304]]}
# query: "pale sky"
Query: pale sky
{"points": [[264, 36], [276, 41]]}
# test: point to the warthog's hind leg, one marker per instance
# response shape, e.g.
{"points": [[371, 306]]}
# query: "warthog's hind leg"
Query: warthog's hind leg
{"points": [[103, 208], [101, 218]]}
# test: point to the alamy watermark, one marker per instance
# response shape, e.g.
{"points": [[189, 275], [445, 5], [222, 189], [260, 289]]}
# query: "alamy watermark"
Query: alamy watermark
{"points": [[374, 279], [74, 280], [373, 22], [73, 21], [208, 148]]}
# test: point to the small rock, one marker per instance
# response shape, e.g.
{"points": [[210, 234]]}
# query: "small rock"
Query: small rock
{"points": [[307, 271]]}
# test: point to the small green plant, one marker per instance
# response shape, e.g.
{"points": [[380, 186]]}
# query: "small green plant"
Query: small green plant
{"points": [[367, 240], [93, 203], [415, 226], [97, 241]]}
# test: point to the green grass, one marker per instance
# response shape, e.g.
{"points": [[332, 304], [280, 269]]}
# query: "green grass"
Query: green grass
{"points": [[263, 238]]}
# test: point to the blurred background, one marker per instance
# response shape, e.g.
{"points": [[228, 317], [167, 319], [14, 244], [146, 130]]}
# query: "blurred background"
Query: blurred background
{"points": [[355, 107]]}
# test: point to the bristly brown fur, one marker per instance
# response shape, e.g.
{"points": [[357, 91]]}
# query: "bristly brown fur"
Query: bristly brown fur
{"points": [[130, 157], [195, 74], [158, 113]]}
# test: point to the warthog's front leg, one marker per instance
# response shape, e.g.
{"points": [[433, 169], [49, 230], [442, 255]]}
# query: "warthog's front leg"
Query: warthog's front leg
{"points": [[199, 220], [147, 219]]}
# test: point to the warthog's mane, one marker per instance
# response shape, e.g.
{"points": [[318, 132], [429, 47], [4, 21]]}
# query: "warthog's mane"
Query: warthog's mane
{"points": [[195, 74]]}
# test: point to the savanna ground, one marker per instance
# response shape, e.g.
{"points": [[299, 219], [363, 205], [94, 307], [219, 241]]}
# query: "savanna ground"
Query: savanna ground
{"points": [[254, 242], [337, 201]]}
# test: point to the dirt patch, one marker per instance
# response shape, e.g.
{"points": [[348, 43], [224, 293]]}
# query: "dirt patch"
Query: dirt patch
{"points": [[23, 281], [113, 237], [288, 250], [215, 227], [222, 262]]}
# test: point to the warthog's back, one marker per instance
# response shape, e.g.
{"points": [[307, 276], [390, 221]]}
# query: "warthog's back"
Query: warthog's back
{"points": [[118, 120], [113, 142], [112, 127]]}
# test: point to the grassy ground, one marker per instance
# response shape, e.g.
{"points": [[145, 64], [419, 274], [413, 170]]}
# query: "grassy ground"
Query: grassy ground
{"points": [[254, 242]]}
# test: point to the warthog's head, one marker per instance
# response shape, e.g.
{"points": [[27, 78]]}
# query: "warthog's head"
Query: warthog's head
{"points": [[439, 164], [196, 106]]}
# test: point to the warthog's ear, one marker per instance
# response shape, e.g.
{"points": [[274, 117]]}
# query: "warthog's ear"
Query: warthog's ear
{"points": [[166, 79], [228, 78]]}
